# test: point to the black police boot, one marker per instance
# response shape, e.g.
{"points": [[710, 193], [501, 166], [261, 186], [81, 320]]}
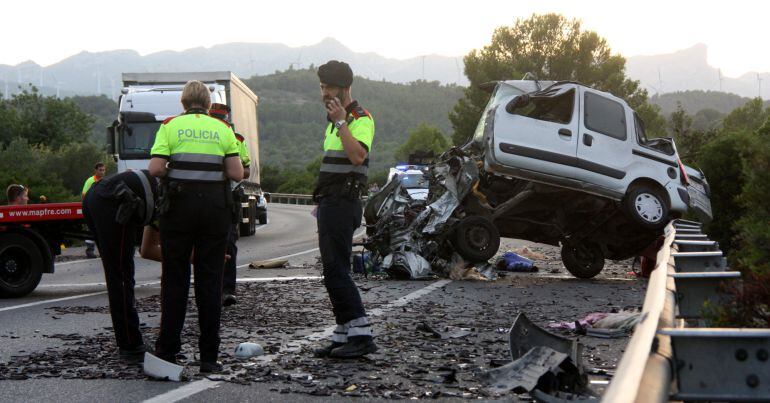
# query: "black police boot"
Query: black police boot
{"points": [[325, 351], [210, 367], [133, 352], [357, 346], [229, 299]]}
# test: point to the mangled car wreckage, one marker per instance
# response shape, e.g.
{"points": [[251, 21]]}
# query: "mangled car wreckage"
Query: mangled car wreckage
{"points": [[557, 163]]}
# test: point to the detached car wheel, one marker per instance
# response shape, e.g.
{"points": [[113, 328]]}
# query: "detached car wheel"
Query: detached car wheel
{"points": [[21, 266], [476, 239], [584, 260], [647, 207]]}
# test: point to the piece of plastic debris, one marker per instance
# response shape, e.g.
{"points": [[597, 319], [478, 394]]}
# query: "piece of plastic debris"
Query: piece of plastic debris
{"points": [[161, 369], [248, 350]]}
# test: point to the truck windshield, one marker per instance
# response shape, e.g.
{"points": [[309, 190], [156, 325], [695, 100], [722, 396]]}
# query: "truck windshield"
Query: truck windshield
{"points": [[136, 140]]}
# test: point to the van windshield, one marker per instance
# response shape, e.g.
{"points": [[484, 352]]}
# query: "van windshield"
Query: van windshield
{"points": [[136, 140], [502, 91]]}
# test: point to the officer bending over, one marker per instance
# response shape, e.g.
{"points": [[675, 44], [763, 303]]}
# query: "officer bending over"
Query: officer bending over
{"points": [[195, 155], [116, 208]]}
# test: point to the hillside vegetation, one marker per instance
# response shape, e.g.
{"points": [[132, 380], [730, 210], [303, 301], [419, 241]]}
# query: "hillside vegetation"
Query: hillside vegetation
{"points": [[292, 118]]}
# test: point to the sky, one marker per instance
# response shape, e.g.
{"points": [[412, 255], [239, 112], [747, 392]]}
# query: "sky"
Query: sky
{"points": [[49, 31]]}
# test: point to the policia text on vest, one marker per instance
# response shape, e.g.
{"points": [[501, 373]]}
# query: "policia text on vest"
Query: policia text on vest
{"points": [[198, 217]]}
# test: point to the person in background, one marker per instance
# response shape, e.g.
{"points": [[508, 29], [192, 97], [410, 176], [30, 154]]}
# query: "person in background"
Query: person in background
{"points": [[17, 195], [222, 112], [99, 170]]}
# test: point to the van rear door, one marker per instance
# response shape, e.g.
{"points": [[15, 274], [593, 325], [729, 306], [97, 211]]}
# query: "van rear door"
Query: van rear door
{"points": [[539, 132]]}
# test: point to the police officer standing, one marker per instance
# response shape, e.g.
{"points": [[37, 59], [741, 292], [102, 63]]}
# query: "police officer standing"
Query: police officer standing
{"points": [[341, 181], [116, 208], [195, 154], [222, 112]]}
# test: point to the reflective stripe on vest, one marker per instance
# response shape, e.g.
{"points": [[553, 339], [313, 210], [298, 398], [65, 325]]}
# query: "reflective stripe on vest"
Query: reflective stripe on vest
{"points": [[337, 161], [196, 167]]}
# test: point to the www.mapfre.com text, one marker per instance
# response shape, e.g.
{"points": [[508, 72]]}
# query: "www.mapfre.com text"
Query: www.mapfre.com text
{"points": [[40, 212]]}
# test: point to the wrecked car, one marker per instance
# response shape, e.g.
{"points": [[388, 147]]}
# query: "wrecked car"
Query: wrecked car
{"points": [[551, 162]]}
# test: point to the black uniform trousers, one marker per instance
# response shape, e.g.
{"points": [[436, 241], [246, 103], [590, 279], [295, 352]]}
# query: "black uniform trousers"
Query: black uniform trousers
{"points": [[228, 286], [116, 248], [197, 219], [338, 217]]}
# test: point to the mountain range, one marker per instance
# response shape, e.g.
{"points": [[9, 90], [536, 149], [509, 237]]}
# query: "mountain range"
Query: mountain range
{"points": [[88, 73]]}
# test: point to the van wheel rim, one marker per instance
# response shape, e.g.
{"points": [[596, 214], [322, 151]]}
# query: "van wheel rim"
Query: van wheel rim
{"points": [[648, 207]]}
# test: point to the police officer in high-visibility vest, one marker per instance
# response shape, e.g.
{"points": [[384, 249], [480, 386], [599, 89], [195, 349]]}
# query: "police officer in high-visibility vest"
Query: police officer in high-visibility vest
{"points": [[222, 112], [115, 209], [195, 155], [341, 181], [99, 170]]}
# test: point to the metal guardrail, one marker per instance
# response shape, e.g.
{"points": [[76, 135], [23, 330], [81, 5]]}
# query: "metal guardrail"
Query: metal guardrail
{"points": [[289, 198], [670, 356]]}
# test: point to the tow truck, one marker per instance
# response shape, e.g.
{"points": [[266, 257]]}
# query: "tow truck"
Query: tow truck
{"points": [[30, 238]]}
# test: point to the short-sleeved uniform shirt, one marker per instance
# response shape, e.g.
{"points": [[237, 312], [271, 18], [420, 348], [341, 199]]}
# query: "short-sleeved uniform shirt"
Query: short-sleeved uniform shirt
{"points": [[195, 145], [336, 166]]}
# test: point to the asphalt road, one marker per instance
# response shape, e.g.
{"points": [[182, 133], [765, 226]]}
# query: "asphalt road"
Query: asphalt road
{"points": [[55, 339]]}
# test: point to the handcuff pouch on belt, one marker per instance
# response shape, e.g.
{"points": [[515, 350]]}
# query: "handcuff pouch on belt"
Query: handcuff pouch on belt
{"points": [[234, 198]]}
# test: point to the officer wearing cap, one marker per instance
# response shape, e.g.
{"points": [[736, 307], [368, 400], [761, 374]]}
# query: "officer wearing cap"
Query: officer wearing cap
{"points": [[222, 112], [195, 155], [115, 209], [341, 181]]}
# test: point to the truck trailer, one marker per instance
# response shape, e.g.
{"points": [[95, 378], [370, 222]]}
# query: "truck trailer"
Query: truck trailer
{"points": [[147, 99]]}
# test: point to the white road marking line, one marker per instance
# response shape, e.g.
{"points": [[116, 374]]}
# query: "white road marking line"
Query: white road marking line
{"points": [[77, 261], [281, 257], [178, 394], [48, 301], [293, 254], [201, 385]]}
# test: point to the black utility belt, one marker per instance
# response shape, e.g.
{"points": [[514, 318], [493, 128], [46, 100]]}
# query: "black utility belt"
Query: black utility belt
{"points": [[348, 190], [199, 186]]}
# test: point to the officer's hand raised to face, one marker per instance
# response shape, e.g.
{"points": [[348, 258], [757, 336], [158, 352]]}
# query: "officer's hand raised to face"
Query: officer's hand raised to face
{"points": [[335, 110]]}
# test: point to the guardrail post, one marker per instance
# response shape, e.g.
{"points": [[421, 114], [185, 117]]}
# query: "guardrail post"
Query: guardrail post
{"points": [[693, 290], [689, 262], [721, 364]]}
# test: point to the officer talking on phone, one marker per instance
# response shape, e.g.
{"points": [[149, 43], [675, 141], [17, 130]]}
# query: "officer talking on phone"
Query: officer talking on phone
{"points": [[341, 182]]}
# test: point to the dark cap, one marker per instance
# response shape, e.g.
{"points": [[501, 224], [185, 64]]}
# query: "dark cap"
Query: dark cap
{"points": [[336, 73]]}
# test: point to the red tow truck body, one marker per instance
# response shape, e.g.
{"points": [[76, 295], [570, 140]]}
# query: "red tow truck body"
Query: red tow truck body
{"points": [[30, 238]]}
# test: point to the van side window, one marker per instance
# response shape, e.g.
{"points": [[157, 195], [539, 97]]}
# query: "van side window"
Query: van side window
{"points": [[605, 116], [556, 109]]}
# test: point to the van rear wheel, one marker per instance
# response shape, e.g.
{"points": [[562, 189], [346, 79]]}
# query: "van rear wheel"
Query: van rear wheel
{"points": [[646, 206]]}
